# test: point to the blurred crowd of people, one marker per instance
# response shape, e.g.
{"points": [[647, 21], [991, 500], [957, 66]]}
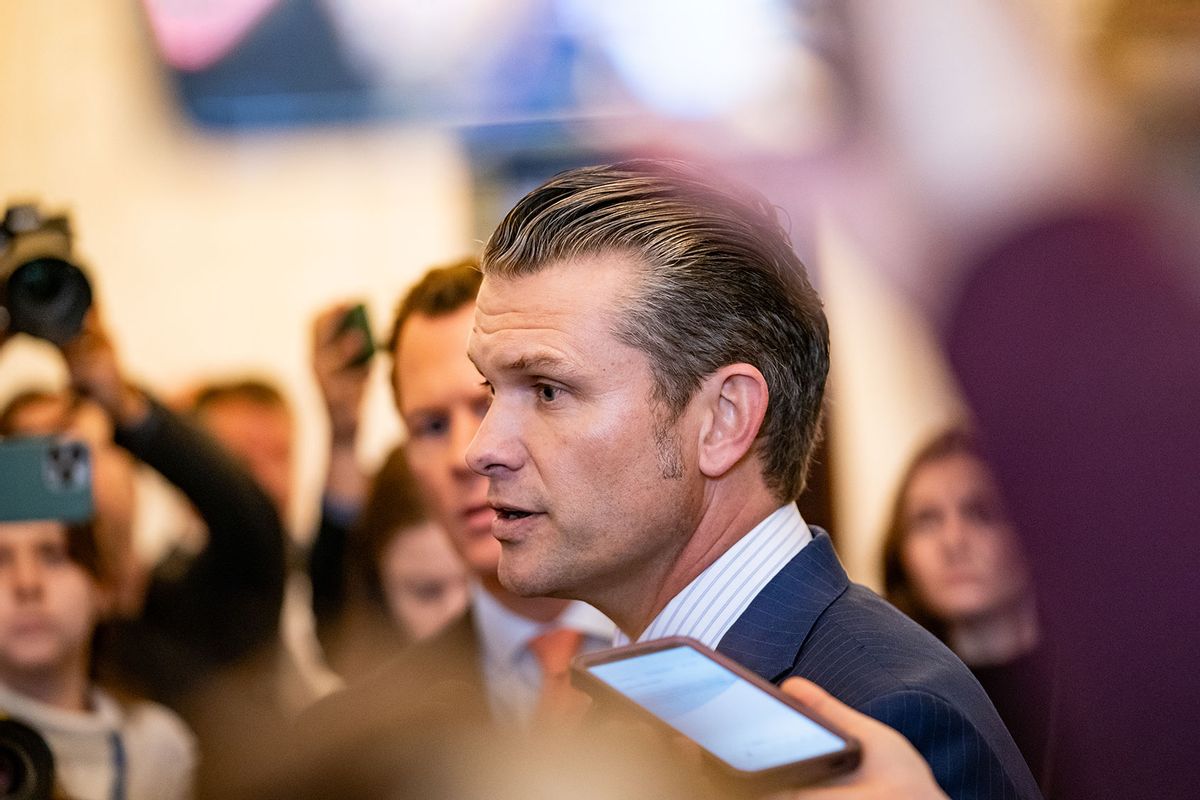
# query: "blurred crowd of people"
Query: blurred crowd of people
{"points": [[1068, 317], [408, 607]]}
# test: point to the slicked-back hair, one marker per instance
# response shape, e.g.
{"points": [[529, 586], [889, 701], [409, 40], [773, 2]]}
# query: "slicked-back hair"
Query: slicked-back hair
{"points": [[719, 284], [440, 292]]}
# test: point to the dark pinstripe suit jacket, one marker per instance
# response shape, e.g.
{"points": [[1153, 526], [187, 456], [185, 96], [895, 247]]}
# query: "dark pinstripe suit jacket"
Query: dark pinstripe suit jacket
{"points": [[811, 621]]}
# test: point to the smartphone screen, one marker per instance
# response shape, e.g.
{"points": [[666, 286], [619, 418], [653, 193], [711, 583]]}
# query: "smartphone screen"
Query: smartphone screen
{"points": [[730, 717]]}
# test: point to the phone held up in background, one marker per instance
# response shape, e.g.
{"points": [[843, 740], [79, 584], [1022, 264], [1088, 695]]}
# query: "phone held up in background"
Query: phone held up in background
{"points": [[45, 477], [750, 732], [356, 319]]}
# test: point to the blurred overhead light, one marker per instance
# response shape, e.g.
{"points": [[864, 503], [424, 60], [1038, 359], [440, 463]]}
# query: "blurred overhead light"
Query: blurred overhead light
{"points": [[195, 34], [691, 59]]}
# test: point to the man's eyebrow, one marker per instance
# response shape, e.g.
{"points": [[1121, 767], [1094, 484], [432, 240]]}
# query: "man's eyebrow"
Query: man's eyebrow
{"points": [[536, 362]]}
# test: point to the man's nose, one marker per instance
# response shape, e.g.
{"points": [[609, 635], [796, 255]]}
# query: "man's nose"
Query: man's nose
{"points": [[496, 445], [463, 426], [27, 577]]}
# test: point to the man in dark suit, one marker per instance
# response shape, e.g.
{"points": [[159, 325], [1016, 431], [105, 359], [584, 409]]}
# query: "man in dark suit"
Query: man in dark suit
{"points": [[657, 361]]}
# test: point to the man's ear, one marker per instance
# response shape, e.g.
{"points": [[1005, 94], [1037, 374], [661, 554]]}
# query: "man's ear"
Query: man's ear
{"points": [[734, 404]]}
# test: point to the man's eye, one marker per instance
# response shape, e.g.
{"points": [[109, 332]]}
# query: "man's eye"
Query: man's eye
{"points": [[430, 428], [547, 393], [428, 592], [53, 554], [480, 407]]}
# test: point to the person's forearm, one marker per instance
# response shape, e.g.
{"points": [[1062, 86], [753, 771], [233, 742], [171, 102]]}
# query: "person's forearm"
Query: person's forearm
{"points": [[225, 495], [127, 407], [345, 482]]}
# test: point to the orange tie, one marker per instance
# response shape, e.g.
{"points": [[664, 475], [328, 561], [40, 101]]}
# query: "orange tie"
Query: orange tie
{"points": [[559, 702]]}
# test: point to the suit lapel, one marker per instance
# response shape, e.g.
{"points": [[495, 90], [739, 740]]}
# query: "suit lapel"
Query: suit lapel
{"points": [[459, 647], [768, 636]]}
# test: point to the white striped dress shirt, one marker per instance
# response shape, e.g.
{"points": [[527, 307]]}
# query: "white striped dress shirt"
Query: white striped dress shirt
{"points": [[709, 605]]}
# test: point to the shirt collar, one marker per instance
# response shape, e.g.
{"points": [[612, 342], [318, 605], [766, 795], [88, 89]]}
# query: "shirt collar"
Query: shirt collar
{"points": [[708, 606], [103, 716], [504, 633]]}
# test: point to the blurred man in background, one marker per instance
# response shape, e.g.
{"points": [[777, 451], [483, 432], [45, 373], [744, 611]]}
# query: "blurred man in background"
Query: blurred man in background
{"points": [[253, 420]]}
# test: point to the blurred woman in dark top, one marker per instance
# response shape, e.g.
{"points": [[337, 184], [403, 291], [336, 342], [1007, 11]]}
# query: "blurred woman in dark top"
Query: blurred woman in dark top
{"points": [[953, 563]]}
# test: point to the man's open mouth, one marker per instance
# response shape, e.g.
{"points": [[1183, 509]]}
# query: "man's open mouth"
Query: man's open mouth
{"points": [[506, 512]]}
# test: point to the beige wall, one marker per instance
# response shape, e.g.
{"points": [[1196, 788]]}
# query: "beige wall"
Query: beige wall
{"points": [[212, 252], [890, 389]]}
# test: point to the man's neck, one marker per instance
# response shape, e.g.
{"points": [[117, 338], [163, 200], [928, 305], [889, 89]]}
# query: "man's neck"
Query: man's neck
{"points": [[66, 689], [538, 609], [723, 523]]}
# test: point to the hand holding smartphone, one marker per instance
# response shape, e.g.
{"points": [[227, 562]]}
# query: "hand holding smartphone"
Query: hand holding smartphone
{"points": [[45, 477], [748, 730], [342, 347], [356, 319]]}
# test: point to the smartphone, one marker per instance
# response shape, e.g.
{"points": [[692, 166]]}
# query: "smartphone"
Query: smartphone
{"points": [[45, 477], [356, 320], [749, 731]]}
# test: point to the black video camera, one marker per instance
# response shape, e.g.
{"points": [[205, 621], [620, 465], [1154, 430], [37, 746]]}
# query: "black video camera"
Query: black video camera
{"points": [[43, 292], [26, 763]]}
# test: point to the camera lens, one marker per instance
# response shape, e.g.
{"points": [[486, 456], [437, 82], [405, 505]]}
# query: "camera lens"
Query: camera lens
{"points": [[48, 298], [43, 282], [26, 764], [12, 772]]}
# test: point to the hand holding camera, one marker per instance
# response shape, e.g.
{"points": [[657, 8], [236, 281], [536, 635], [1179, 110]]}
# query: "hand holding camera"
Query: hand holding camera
{"points": [[43, 292], [96, 372]]}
